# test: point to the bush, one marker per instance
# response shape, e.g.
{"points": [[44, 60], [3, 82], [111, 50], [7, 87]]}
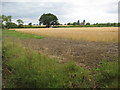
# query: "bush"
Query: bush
{"points": [[11, 25], [20, 26], [107, 74], [76, 77]]}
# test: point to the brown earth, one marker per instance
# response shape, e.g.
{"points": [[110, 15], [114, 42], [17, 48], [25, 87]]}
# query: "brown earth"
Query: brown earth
{"points": [[84, 53]]}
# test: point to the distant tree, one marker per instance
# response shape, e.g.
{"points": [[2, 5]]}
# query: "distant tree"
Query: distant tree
{"points": [[20, 26], [75, 23], [30, 24], [108, 24], [115, 24], [20, 23], [48, 20], [11, 25], [69, 23], [9, 18], [83, 22], [58, 23], [78, 22], [97, 23], [4, 20], [88, 23], [118, 24]]}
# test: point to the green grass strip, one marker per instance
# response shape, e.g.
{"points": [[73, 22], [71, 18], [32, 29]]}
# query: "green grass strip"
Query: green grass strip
{"points": [[14, 33]]}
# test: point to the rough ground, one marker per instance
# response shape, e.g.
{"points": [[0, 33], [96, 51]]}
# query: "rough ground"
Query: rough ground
{"points": [[84, 53]]}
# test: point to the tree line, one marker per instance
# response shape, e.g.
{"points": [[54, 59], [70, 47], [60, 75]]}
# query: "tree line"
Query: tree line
{"points": [[49, 20], [6, 22]]}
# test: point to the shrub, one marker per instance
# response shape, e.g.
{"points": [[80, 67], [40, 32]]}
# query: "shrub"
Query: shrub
{"points": [[11, 25], [107, 74], [75, 76]]}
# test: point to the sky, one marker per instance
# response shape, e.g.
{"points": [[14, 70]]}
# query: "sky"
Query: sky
{"points": [[93, 11]]}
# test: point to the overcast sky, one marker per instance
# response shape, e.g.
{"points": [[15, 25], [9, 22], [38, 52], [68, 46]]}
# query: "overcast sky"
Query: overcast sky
{"points": [[93, 11]]}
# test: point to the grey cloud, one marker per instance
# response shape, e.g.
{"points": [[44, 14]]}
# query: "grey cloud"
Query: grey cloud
{"points": [[113, 11], [66, 11], [112, 8], [33, 9]]}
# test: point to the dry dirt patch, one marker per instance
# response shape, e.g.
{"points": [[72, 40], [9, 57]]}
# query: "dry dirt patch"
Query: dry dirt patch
{"points": [[84, 53]]}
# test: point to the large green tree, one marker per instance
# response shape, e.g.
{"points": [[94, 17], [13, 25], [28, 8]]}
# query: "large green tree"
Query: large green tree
{"points": [[48, 20]]}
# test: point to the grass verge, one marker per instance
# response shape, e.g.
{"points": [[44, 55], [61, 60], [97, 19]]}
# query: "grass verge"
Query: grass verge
{"points": [[14, 33]]}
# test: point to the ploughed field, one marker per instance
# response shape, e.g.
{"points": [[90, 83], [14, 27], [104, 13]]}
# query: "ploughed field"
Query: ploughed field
{"points": [[86, 46]]}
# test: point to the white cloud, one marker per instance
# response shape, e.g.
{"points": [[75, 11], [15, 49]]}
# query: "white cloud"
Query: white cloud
{"points": [[33, 0]]}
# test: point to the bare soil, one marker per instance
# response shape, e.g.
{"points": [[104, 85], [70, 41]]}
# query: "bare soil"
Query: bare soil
{"points": [[85, 53]]}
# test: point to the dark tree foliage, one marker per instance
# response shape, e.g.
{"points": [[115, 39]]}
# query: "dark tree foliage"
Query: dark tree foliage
{"points": [[5, 21], [75, 23], [88, 23], [11, 25], [19, 21], [78, 22], [83, 22], [48, 20], [30, 24], [118, 24], [20, 26], [69, 23]]}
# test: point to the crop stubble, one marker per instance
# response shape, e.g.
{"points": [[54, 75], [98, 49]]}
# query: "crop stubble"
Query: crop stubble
{"points": [[98, 34]]}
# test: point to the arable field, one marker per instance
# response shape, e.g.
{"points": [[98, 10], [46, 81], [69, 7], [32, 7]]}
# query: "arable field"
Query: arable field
{"points": [[86, 46], [98, 34], [60, 58]]}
